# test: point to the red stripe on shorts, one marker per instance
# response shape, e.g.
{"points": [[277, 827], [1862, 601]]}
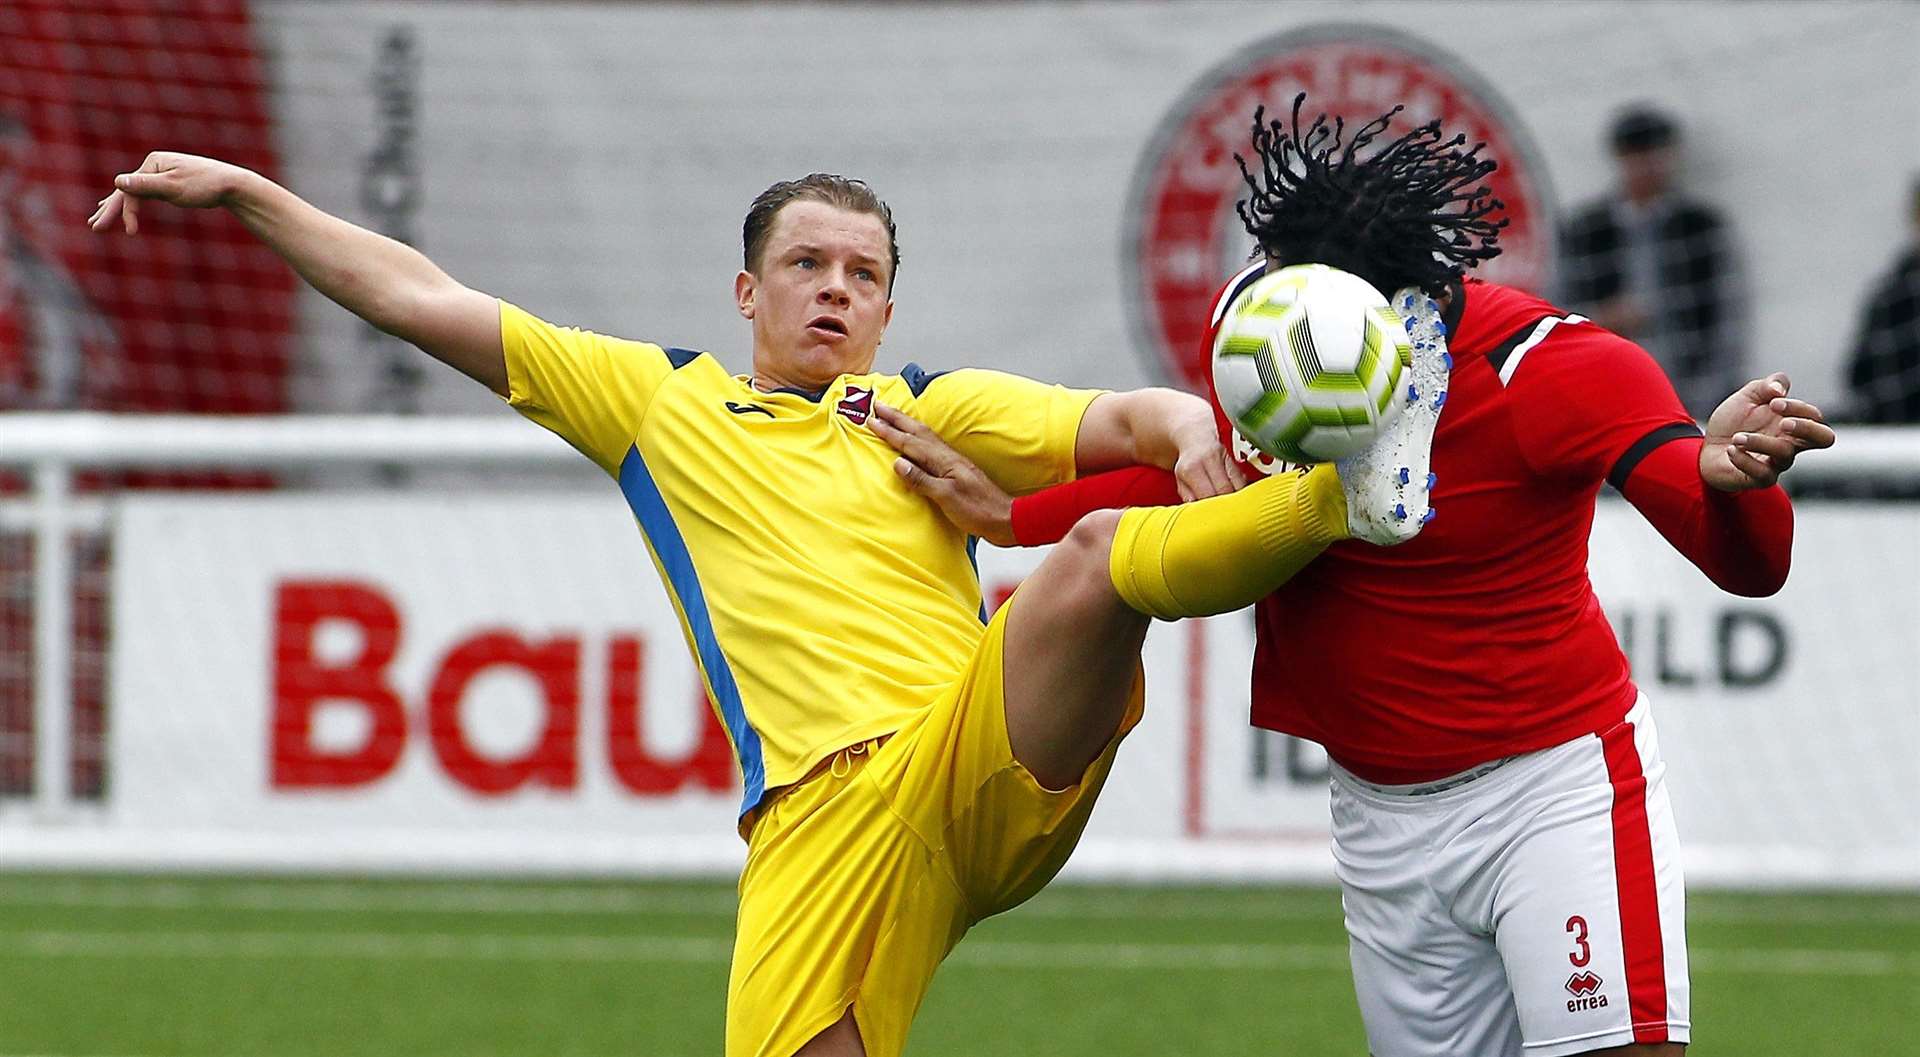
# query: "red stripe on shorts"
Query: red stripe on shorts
{"points": [[1644, 950]]}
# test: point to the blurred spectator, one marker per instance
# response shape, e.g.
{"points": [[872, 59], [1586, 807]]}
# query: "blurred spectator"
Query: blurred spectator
{"points": [[57, 349], [1885, 373], [1656, 266]]}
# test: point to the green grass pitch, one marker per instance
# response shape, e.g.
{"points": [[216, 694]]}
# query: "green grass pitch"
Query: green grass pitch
{"points": [[94, 966]]}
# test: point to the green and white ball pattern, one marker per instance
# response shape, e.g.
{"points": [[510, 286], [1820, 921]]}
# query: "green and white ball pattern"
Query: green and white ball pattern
{"points": [[1307, 363]]}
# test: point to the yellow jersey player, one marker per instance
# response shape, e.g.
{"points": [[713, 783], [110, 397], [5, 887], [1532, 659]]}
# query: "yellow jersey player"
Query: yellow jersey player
{"points": [[909, 768]]}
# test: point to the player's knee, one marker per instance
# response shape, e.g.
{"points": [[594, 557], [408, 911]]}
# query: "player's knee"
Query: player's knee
{"points": [[1095, 530], [1088, 548], [1074, 578]]}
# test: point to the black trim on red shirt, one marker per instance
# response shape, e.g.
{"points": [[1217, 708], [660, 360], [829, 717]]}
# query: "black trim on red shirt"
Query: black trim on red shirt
{"points": [[1624, 466], [1497, 358], [1247, 280]]}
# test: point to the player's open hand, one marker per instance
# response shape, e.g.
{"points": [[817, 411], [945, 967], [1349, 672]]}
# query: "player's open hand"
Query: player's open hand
{"points": [[965, 494], [184, 180], [1755, 434], [1204, 469]]}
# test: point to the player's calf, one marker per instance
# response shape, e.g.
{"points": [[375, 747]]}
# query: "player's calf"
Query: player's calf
{"points": [[1225, 553]]}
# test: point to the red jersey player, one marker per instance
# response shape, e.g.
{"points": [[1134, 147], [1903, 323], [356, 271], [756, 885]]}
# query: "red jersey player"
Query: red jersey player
{"points": [[1507, 853]]}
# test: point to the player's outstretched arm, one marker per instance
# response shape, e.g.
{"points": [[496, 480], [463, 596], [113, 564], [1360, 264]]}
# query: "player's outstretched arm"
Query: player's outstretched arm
{"points": [[1712, 499], [1157, 427], [388, 284]]}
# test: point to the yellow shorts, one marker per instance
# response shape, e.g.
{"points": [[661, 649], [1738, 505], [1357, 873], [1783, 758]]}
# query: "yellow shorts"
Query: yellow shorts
{"points": [[860, 879]]}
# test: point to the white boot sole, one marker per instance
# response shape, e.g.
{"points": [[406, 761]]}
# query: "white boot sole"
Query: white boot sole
{"points": [[1389, 484]]}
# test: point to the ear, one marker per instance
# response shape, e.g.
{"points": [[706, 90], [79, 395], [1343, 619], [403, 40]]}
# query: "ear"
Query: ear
{"points": [[745, 286]]}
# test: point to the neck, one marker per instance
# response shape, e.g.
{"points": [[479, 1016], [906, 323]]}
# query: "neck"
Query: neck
{"points": [[778, 373], [767, 384], [768, 375]]}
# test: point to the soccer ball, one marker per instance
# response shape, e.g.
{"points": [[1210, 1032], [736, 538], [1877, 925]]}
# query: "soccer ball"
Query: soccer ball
{"points": [[1307, 363]]}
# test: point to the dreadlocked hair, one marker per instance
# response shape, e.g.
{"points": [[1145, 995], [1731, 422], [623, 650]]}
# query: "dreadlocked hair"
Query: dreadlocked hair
{"points": [[1411, 213]]}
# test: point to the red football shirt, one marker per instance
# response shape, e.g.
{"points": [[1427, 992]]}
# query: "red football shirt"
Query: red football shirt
{"points": [[1481, 637]]}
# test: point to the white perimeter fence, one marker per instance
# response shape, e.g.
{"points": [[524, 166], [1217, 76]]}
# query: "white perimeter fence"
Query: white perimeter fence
{"points": [[477, 671]]}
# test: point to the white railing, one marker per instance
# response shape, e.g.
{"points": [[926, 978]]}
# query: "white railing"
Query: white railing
{"points": [[54, 449], [103, 440], [53, 446]]}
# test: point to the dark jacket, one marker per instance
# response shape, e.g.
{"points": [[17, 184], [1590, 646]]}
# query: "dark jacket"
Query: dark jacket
{"points": [[1885, 372], [1694, 308]]}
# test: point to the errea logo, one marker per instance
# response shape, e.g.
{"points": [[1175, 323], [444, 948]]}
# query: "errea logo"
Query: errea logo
{"points": [[1584, 986]]}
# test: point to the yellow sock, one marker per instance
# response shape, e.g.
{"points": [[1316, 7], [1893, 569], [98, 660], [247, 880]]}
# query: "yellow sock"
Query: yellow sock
{"points": [[1222, 554]]}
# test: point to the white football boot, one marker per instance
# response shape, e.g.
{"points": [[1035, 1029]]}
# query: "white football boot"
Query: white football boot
{"points": [[1388, 482]]}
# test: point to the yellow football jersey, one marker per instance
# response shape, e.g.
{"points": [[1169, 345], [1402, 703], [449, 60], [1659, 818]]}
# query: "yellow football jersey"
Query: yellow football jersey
{"points": [[822, 600]]}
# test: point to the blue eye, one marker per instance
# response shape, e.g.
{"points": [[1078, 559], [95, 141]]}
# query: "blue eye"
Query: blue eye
{"points": [[805, 262]]}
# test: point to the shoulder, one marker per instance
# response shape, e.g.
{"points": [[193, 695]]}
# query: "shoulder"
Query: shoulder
{"points": [[524, 330], [974, 393], [678, 357], [914, 383], [919, 381], [1578, 396], [917, 378], [1492, 314], [1567, 348]]}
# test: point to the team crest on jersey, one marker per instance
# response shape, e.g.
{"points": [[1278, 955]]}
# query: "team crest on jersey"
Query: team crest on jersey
{"points": [[1185, 237], [857, 405]]}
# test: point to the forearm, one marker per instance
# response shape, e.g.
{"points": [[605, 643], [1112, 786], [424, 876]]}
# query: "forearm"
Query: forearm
{"points": [[387, 283], [1144, 427], [381, 280], [1743, 541]]}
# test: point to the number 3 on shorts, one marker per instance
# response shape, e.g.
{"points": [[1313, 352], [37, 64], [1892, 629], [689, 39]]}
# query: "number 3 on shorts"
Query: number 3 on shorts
{"points": [[1577, 925]]}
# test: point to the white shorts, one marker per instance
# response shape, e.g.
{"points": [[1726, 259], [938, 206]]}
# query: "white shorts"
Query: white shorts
{"points": [[1535, 910]]}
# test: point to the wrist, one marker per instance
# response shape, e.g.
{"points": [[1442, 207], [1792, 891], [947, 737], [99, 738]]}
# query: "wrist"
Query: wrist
{"points": [[1193, 434], [1000, 531], [244, 190]]}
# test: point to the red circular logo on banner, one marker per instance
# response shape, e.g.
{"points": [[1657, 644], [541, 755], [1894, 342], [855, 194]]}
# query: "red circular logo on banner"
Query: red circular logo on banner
{"points": [[1187, 239]]}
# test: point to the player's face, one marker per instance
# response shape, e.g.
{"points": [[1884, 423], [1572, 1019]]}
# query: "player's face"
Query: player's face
{"points": [[819, 302]]}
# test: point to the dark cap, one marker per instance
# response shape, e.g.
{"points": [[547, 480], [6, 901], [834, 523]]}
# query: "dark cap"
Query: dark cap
{"points": [[1641, 127]]}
